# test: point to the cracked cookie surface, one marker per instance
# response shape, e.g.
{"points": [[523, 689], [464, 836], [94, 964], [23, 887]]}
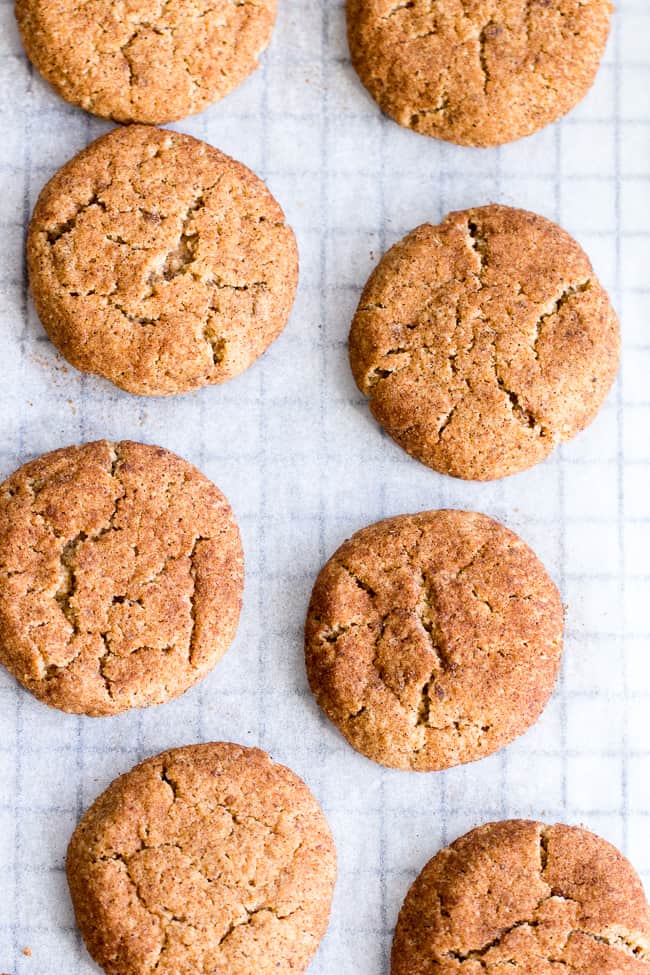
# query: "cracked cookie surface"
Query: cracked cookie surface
{"points": [[477, 72], [160, 263], [484, 342], [145, 60], [522, 896], [433, 639], [121, 576], [208, 858]]}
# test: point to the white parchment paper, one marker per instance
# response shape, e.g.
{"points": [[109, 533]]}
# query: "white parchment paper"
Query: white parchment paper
{"points": [[293, 446]]}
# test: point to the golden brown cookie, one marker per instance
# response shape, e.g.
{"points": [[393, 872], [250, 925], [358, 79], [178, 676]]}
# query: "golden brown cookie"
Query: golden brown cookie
{"points": [[524, 897], [160, 263], [121, 576], [207, 858], [484, 342], [477, 72], [433, 639], [145, 60]]}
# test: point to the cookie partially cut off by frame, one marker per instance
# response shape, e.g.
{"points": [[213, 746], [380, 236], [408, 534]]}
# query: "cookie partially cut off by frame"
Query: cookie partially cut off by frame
{"points": [[160, 263], [433, 639], [145, 60], [121, 576], [484, 342], [207, 858], [477, 72], [522, 896]]}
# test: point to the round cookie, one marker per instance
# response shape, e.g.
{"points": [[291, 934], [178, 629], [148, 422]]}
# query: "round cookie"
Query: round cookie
{"points": [[145, 61], [478, 73], [526, 897], [433, 639], [207, 858], [484, 342], [121, 576], [160, 263]]}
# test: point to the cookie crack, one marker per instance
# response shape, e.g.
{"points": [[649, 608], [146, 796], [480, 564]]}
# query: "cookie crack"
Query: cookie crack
{"points": [[426, 613], [474, 558], [459, 725], [523, 415], [135, 319], [177, 795], [444, 100], [556, 307], [66, 591], [108, 651], [447, 418], [180, 257], [404, 5], [166, 917], [544, 840], [250, 915], [424, 707], [139, 26], [62, 229], [67, 587], [334, 635], [360, 583], [478, 954], [626, 942], [485, 33], [478, 243], [217, 343], [192, 598], [102, 663]]}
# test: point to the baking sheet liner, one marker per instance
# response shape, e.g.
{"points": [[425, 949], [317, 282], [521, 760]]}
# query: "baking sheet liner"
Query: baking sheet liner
{"points": [[292, 444]]}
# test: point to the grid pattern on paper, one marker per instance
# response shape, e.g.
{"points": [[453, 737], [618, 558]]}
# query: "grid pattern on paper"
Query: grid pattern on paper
{"points": [[292, 445]]}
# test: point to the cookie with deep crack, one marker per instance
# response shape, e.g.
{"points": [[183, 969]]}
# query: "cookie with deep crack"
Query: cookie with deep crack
{"points": [[121, 576], [523, 896], [484, 342], [145, 61], [433, 639], [159, 262], [207, 858], [481, 73]]}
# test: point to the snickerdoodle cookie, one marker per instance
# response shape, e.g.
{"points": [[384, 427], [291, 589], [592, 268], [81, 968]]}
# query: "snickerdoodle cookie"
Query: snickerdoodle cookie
{"points": [[477, 72], [208, 858], [522, 896], [160, 263], [121, 576], [433, 639], [145, 60], [484, 342]]}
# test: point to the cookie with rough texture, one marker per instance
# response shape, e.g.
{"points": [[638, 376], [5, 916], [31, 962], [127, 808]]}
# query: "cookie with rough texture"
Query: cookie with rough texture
{"points": [[484, 342], [145, 60], [477, 72], [159, 262], [208, 858], [433, 639], [522, 896], [121, 576]]}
